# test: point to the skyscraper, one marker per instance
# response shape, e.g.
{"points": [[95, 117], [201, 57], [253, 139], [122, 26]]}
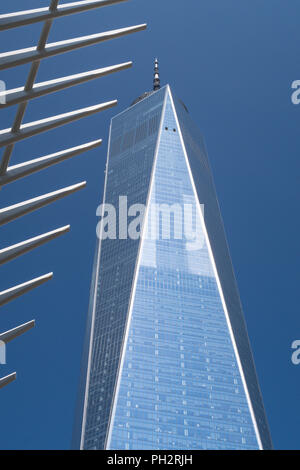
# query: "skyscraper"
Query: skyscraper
{"points": [[167, 361]]}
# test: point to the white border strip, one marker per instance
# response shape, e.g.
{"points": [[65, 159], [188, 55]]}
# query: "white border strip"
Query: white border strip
{"points": [[129, 316], [217, 279]]}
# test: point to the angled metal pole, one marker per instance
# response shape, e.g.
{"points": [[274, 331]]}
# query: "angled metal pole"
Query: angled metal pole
{"points": [[10, 136], [14, 251], [14, 292], [16, 332], [21, 18], [31, 54], [8, 379], [19, 95], [21, 170], [10, 213]]}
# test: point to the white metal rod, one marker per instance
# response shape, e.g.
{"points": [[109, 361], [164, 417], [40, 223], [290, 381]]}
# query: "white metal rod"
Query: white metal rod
{"points": [[7, 136], [14, 251], [8, 379], [21, 18], [15, 332], [18, 95], [21, 170], [30, 54], [16, 291], [18, 210]]}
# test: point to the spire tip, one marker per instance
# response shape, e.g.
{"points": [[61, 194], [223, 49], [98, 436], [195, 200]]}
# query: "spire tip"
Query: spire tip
{"points": [[156, 81]]}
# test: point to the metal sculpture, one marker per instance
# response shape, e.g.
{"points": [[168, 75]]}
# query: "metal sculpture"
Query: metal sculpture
{"points": [[19, 131]]}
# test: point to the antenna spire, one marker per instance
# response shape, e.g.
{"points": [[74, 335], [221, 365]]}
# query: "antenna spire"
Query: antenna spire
{"points": [[156, 81]]}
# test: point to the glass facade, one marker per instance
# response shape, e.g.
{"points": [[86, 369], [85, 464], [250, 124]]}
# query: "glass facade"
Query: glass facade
{"points": [[169, 363]]}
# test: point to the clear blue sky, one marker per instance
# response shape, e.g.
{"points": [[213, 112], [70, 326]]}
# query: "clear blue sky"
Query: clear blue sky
{"points": [[232, 62]]}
